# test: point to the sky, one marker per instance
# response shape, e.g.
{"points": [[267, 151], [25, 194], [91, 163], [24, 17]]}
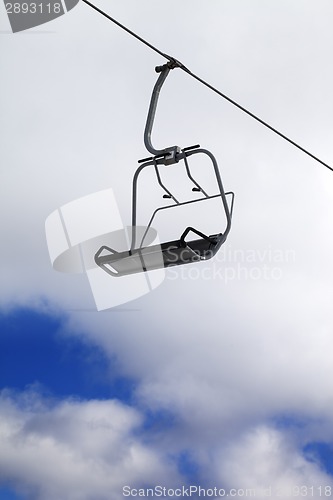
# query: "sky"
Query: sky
{"points": [[221, 376]]}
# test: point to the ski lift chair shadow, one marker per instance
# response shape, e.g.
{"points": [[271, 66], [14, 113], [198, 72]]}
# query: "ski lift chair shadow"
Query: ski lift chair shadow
{"points": [[141, 258]]}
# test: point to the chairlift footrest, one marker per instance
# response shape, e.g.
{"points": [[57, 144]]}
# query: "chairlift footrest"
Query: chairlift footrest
{"points": [[172, 253]]}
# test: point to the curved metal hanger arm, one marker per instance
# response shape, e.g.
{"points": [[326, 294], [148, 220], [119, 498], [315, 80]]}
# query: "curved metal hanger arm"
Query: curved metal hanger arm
{"points": [[171, 152]]}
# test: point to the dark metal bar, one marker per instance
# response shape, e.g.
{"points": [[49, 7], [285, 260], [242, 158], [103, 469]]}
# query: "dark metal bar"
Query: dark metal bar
{"points": [[159, 180], [190, 176]]}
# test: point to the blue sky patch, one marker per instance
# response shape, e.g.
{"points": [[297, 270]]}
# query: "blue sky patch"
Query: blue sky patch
{"points": [[9, 494], [33, 351], [289, 421], [188, 467], [321, 452]]}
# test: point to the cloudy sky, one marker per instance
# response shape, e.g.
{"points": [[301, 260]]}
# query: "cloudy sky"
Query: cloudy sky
{"points": [[222, 376]]}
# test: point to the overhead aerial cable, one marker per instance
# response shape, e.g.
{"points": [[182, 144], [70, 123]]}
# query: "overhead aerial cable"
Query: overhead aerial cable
{"points": [[192, 244], [176, 64]]}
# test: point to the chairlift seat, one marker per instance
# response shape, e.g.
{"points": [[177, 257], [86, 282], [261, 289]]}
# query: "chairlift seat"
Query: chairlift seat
{"points": [[171, 253], [141, 258]]}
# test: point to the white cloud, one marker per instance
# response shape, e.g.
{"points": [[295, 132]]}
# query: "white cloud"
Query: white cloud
{"points": [[76, 450], [80, 450], [212, 362], [267, 460]]}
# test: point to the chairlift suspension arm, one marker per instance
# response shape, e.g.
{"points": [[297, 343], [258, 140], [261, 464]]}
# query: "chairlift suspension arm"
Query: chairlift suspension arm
{"points": [[169, 153]]}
